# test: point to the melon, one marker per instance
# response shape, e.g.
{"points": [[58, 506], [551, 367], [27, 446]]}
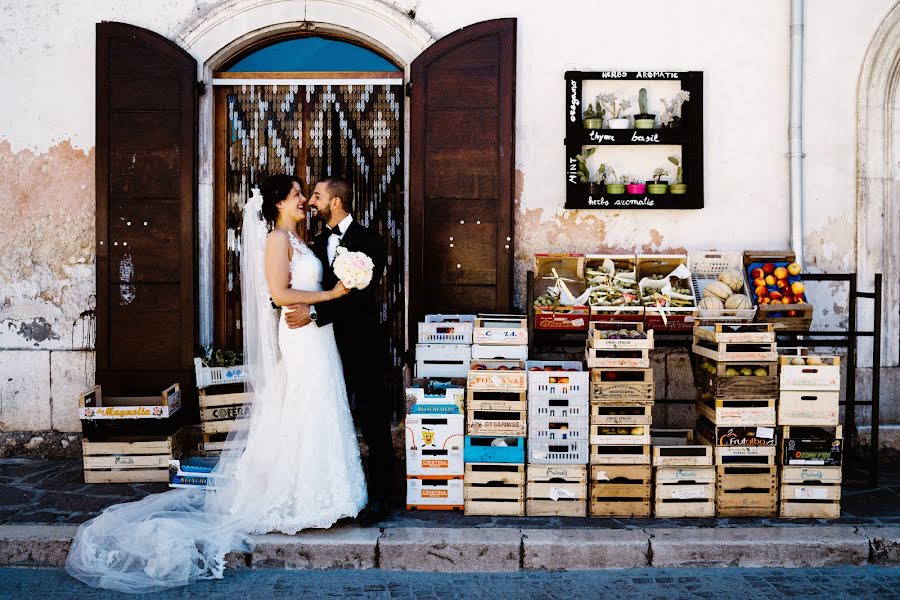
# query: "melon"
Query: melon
{"points": [[717, 289], [738, 302], [711, 303], [733, 279]]}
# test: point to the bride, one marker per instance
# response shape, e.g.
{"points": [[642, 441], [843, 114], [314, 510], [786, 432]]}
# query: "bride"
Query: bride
{"points": [[292, 464]]}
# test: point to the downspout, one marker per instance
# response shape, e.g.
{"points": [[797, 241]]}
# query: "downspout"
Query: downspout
{"points": [[795, 135]]}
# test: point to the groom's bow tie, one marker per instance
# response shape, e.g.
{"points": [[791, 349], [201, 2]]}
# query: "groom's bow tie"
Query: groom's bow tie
{"points": [[336, 231]]}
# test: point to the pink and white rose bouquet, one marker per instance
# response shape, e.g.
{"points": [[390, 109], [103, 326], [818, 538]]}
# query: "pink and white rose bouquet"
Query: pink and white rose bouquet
{"points": [[354, 269]]}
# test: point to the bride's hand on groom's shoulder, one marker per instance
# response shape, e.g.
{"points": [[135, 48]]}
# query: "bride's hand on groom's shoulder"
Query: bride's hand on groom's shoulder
{"points": [[296, 315]]}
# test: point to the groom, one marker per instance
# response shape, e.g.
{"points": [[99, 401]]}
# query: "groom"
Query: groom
{"points": [[358, 331]]}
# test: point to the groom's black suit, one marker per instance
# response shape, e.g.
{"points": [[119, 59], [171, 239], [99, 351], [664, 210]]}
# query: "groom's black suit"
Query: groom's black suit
{"points": [[360, 340]]}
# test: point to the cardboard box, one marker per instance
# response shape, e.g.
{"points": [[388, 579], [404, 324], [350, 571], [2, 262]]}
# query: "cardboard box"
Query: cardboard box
{"points": [[434, 493]]}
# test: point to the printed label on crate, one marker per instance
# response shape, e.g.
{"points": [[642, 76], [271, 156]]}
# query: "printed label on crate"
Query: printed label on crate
{"points": [[687, 474], [742, 436], [496, 380], [813, 452], [557, 492], [512, 427], [689, 493], [746, 415], [123, 412], [435, 463], [230, 412], [435, 493], [810, 493]]}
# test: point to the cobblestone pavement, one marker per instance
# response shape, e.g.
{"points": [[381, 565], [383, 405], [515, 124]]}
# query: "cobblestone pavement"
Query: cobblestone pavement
{"points": [[53, 492], [845, 582]]}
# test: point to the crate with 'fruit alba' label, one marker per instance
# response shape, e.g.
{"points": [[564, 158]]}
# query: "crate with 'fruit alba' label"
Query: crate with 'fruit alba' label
{"points": [[778, 289]]}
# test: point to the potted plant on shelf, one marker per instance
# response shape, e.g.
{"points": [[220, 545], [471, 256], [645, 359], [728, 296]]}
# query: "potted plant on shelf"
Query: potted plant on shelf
{"points": [[596, 187], [678, 187], [593, 119], [614, 185], [671, 116], [644, 120], [584, 175], [635, 187], [616, 109], [657, 186]]}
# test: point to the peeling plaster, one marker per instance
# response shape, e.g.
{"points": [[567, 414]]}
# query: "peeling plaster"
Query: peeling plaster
{"points": [[46, 246]]}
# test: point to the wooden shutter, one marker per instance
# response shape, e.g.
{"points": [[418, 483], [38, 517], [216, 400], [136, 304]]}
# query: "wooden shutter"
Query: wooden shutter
{"points": [[146, 186], [461, 172]]}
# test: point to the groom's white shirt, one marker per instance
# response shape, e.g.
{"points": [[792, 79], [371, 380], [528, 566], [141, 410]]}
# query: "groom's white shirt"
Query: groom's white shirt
{"points": [[334, 240]]}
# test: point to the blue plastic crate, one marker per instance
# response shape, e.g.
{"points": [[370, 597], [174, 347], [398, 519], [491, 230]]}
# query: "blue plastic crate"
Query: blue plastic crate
{"points": [[478, 449]]}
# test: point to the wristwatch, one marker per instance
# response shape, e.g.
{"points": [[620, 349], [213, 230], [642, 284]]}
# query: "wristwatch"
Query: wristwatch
{"points": [[312, 313]]}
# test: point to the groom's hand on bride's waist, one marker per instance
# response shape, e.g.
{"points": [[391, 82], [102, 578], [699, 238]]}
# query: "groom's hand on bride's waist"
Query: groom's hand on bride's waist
{"points": [[297, 315]]}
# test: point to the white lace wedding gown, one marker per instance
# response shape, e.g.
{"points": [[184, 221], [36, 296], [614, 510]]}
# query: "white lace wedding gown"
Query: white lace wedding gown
{"points": [[300, 468]]}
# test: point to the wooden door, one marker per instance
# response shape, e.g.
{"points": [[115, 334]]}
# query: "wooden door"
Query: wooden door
{"points": [[146, 187], [462, 155]]}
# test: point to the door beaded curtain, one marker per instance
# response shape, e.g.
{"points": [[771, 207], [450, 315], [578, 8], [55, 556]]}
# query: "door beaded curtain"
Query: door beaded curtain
{"points": [[313, 131]]}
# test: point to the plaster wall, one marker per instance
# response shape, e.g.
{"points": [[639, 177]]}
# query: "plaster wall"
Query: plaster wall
{"points": [[47, 138]]}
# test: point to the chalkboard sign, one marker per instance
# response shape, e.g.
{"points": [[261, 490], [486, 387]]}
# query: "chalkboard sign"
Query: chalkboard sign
{"points": [[689, 136]]}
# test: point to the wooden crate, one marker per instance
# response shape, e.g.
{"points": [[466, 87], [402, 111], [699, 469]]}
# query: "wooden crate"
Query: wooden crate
{"points": [[808, 408], [812, 446], [627, 358], [736, 333], [220, 412], [599, 331], [684, 492], [745, 455], [682, 455], [811, 492], [734, 435], [747, 491], [738, 412], [635, 454], [671, 437], [133, 460], [503, 330], [670, 318], [446, 329], [713, 378], [493, 489], [94, 406], [496, 422], [613, 413], [556, 491], [735, 351], [620, 491], [496, 400], [706, 266], [624, 435], [497, 376], [785, 317], [622, 385], [816, 377]]}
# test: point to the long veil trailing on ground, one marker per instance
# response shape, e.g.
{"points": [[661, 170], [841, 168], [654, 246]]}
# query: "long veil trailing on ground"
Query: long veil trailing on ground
{"points": [[169, 539]]}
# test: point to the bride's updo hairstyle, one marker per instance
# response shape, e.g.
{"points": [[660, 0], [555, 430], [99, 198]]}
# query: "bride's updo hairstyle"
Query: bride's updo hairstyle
{"points": [[275, 189]]}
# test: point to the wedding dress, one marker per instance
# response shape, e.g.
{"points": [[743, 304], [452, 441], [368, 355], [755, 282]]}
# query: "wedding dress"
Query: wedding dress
{"points": [[292, 464]]}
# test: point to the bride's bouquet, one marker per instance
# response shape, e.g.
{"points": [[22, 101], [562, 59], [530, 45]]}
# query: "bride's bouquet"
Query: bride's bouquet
{"points": [[354, 269]]}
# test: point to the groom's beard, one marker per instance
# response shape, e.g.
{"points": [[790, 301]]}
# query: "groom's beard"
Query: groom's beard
{"points": [[323, 215]]}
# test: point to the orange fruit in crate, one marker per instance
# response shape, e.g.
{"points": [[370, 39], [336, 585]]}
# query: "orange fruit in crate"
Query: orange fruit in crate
{"points": [[776, 296], [762, 291], [792, 313], [765, 300], [768, 268], [770, 280], [798, 288], [781, 273], [793, 268]]}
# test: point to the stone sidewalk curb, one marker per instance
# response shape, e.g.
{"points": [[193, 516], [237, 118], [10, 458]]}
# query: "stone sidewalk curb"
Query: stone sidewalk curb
{"points": [[473, 549]]}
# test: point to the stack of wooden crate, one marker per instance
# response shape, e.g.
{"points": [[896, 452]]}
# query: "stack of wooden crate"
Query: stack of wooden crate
{"points": [[736, 411], [557, 439], [496, 423], [812, 440], [131, 439], [434, 444], [621, 403], [684, 475], [223, 403], [444, 346]]}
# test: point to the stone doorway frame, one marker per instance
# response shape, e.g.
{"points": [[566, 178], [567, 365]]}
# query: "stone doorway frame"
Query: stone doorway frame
{"points": [[215, 36], [878, 182]]}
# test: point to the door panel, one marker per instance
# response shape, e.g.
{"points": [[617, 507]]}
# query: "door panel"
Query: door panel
{"points": [[461, 172], [146, 189]]}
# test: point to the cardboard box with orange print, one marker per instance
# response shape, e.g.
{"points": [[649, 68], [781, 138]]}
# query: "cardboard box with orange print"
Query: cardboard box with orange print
{"points": [[438, 492], [434, 444]]}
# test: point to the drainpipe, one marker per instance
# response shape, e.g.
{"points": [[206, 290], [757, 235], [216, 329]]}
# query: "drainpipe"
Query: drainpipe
{"points": [[795, 135]]}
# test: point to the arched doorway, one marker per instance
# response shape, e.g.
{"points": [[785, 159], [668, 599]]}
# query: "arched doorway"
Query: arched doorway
{"points": [[878, 194], [310, 105]]}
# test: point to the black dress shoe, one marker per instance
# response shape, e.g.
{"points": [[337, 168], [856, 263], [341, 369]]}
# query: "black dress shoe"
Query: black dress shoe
{"points": [[375, 512]]}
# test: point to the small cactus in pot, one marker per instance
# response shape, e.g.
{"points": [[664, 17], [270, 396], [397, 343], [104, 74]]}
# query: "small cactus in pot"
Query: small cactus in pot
{"points": [[593, 119], [644, 120], [679, 187], [658, 186]]}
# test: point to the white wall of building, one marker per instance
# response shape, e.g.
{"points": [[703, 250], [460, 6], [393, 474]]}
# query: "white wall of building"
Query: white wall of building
{"points": [[47, 141]]}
